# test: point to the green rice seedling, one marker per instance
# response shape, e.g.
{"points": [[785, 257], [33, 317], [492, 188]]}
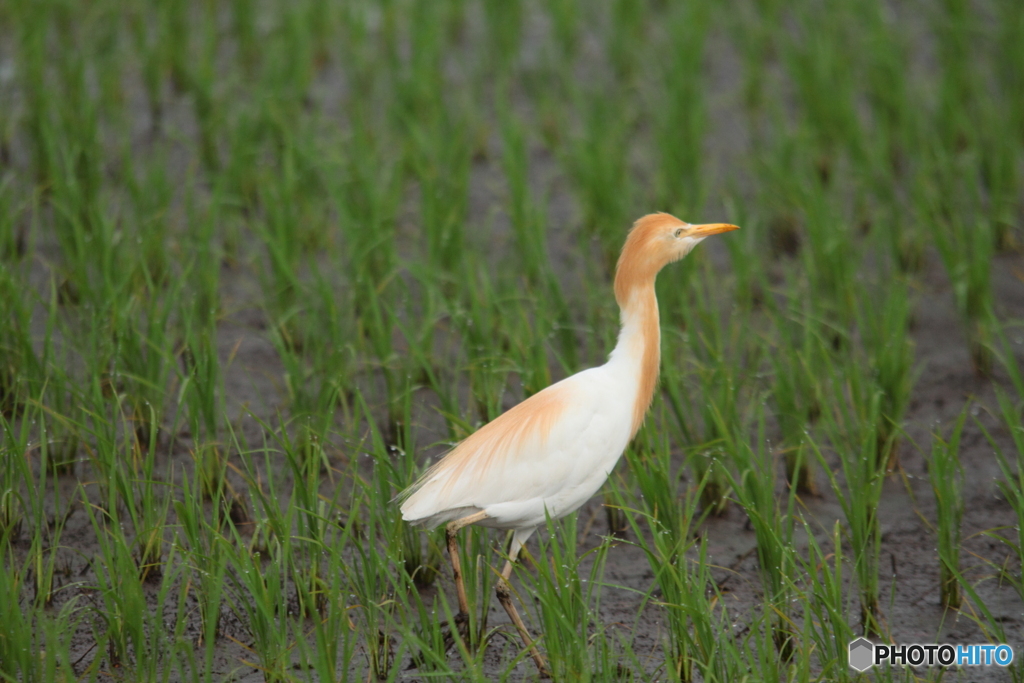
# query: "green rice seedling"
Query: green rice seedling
{"points": [[783, 172], [529, 344], [991, 626], [202, 383], [146, 506], [529, 223], [568, 598], [368, 580], [527, 216], [967, 255], [377, 326], [20, 367], [757, 650], [745, 256], [132, 632], [102, 40], [17, 658], [13, 232], [194, 69], [366, 201], [13, 447], [291, 51], [798, 391], [208, 553], [907, 239], [597, 161], [716, 397], [30, 499], [318, 371], [151, 191], [832, 257], [108, 445], [20, 639], [565, 19], [947, 477], [1011, 486], [395, 469], [77, 173], [260, 587], [694, 644], [625, 36], [287, 209], [420, 347], [439, 156], [953, 30], [176, 42], [1008, 57], [793, 419], [815, 60], [945, 197], [88, 252], [147, 45], [757, 35], [285, 339], [680, 119], [754, 488], [61, 433], [201, 303], [825, 603], [658, 480], [203, 389], [889, 350], [480, 327], [853, 431], [719, 392], [999, 176], [429, 638], [1005, 355], [308, 516], [244, 176], [897, 125], [421, 567], [384, 524], [504, 31], [259, 596], [421, 82], [333, 645], [32, 34], [886, 84], [145, 360], [42, 553]]}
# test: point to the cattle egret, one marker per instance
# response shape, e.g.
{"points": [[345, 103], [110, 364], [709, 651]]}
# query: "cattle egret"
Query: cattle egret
{"points": [[548, 455]]}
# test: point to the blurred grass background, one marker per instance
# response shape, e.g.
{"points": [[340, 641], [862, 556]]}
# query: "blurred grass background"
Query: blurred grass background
{"points": [[260, 260]]}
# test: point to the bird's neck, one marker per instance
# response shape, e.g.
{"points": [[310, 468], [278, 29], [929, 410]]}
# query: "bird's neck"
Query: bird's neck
{"points": [[637, 353]]}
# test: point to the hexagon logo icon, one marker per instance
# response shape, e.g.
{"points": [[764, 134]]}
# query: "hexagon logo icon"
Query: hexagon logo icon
{"points": [[862, 654]]}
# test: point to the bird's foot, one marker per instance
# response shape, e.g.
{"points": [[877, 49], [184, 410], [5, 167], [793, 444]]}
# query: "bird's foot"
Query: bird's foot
{"points": [[460, 625]]}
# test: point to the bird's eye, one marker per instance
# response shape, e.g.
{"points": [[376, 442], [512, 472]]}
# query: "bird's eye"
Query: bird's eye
{"points": [[679, 232]]}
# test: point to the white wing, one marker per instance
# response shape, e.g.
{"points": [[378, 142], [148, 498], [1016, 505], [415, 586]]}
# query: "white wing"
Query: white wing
{"points": [[547, 451]]}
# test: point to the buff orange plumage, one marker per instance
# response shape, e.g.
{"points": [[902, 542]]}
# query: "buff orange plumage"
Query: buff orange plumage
{"points": [[548, 455]]}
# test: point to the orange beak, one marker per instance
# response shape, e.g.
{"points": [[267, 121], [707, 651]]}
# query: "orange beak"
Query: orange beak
{"points": [[711, 229]]}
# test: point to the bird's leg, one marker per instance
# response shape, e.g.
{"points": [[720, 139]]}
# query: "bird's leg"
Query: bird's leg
{"points": [[453, 551], [504, 592], [452, 530]]}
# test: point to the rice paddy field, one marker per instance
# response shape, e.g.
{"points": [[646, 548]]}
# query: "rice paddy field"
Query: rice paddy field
{"points": [[262, 261]]}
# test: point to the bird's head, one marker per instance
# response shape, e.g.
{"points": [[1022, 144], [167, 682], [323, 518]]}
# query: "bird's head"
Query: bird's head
{"points": [[656, 240]]}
